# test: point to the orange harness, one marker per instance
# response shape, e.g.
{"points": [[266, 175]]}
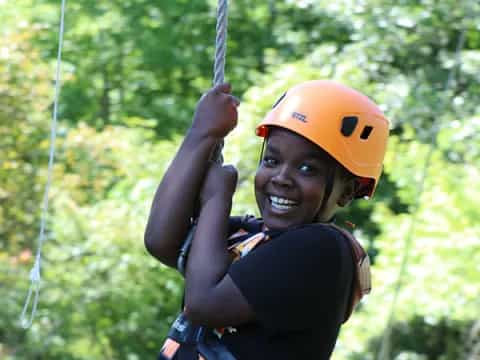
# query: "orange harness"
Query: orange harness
{"points": [[362, 284]]}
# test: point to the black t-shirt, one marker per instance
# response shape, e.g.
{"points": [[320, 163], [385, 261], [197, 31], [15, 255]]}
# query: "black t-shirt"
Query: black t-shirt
{"points": [[298, 285]]}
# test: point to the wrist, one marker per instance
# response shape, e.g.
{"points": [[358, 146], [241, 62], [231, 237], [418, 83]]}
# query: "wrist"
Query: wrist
{"points": [[202, 135]]}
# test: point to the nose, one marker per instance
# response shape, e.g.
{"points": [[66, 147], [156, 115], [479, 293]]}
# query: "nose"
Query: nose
{"points": [[282, 177]]}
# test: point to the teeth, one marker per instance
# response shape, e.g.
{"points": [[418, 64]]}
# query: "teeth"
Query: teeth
{"points": [[282, 203], [281, 207], [280, 200]]}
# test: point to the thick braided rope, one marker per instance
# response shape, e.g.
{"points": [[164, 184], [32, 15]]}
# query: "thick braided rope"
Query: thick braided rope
{"points": [[220, 42], [219, 65], [35, 271], [384, 351]]}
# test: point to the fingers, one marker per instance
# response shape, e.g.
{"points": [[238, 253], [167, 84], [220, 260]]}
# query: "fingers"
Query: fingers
{"points": [[231, 175], [230, 169], [235, 100], [225, 88]]}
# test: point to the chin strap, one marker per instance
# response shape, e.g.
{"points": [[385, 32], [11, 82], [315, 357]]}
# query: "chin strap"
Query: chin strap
{"points": [[329, 179]]}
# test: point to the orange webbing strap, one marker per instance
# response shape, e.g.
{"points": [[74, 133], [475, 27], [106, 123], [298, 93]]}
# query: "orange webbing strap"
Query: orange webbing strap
{"points": [[170, 348], [242, 248], [362, 284]]}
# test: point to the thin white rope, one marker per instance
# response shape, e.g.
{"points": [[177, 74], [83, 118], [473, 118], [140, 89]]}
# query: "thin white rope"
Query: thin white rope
{"points": [[35, 277], [220, 55], [384, 353]]}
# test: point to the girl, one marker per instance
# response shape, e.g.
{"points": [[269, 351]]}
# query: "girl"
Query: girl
{"points": [[280, 286]]}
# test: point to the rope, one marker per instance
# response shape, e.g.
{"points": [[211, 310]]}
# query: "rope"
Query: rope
{"points": [[219, 65], [35, 271], [218, 78], [220, 42], [384, 352]]}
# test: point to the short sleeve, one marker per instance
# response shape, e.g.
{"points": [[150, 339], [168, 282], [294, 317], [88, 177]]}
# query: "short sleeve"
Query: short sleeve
{"points": [[300, 277]]}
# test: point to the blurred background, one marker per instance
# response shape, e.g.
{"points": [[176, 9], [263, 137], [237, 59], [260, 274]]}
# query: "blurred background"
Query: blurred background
{"points": [[133, 71]]}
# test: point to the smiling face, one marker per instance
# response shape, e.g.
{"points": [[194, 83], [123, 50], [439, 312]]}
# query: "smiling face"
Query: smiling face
{"points": [[291, 179]]}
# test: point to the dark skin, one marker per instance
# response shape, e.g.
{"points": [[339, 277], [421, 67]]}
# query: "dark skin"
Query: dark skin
{"points": [[294, 170], [178, 192], [211, 297]]}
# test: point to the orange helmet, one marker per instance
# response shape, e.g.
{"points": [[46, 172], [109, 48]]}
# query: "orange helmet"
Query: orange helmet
{"points": [[342, 121]]}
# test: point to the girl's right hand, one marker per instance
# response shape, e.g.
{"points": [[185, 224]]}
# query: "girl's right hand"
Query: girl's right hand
{"points": [[216, 114]]}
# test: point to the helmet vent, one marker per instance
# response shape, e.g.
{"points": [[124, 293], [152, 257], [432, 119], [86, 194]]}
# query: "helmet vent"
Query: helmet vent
{"points": [[278, 101], [348, 125], [366, 132]]}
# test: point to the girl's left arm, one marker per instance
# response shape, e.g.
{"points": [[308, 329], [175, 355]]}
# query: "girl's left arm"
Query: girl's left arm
{"points": [[211, 297]]}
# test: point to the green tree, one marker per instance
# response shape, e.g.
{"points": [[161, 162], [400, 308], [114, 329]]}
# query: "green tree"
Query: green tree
{"points": [[150, 60], [24, 101]]}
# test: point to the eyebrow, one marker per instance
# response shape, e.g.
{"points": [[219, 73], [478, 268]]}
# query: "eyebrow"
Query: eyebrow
{"points": [[272, 148]]}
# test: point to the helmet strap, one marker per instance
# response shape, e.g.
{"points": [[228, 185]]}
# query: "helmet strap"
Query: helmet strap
{"points": [[262, 151], [329, 179]]}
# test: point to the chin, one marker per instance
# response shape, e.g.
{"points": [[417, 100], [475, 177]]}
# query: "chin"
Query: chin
{"points": [[278, 223]]}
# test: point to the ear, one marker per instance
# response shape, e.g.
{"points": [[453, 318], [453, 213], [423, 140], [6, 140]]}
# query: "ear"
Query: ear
{"points": [[348, 194]]}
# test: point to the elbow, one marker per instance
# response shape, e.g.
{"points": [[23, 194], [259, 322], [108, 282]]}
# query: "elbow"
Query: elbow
{"points": [[148, 242], [197, 312], [203, 307], [153, 245]]}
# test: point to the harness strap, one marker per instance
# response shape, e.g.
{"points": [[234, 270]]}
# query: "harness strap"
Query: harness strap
{"points": [[169, 348], [361, 284]]}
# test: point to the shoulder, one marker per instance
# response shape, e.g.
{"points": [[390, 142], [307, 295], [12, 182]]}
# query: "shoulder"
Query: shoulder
{"points": [[311, 236], [308, 248]]}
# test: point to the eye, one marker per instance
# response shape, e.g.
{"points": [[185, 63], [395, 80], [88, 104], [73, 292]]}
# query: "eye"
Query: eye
{"points": [[306, 168], [269, 161]]}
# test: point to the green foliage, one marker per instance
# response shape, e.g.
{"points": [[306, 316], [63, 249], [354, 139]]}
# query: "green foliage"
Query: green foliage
{"points": [[23, 102], [420, 338], [100, 286], [152, 59]]}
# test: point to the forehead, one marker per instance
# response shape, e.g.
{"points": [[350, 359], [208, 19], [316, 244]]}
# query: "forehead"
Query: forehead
{"points": [[284, 140]]}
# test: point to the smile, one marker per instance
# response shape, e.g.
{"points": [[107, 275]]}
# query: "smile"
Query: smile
{"points": [[280, 203]]}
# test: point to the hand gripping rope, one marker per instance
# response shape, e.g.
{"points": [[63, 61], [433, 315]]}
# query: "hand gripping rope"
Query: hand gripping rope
{"points": [[35, 271], [219, 74]]}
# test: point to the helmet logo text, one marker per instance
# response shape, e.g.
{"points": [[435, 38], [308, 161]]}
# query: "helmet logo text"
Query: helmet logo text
{"points": [[298, 116]]}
